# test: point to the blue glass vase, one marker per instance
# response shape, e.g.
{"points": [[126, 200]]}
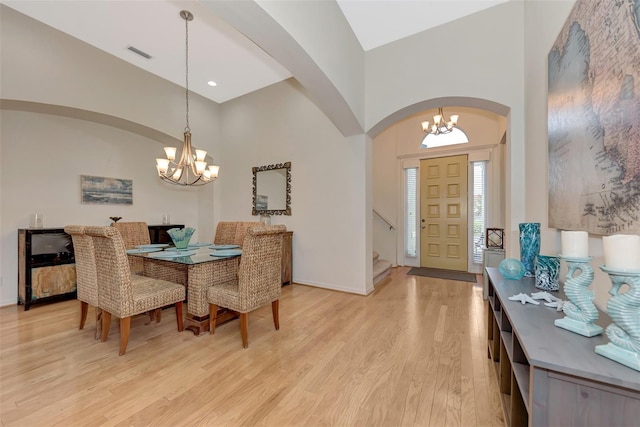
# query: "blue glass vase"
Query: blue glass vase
{"points": [[547, 272], [529, 246], [181, 236]]}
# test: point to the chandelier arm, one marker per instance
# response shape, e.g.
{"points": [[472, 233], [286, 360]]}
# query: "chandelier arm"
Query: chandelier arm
{"points": [[196, 183]]}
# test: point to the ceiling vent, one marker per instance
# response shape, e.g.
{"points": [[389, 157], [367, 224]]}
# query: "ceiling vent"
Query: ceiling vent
{"points": [[139, 52]]}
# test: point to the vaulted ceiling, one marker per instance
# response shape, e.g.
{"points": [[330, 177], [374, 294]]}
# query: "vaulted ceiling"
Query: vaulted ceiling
{"points": [[218, 52]]}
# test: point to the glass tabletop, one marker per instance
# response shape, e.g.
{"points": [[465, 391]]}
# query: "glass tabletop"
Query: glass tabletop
{"points": [[199, 256]]}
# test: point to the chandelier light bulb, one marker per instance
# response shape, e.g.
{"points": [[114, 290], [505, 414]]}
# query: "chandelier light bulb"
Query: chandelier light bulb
{"points": [[162, 165], [170, 152], [177, 174], [200, 155]]}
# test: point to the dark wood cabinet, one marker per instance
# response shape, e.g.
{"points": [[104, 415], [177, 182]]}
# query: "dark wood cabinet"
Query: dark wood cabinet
{"points": [[46, 266], [158, 233]]}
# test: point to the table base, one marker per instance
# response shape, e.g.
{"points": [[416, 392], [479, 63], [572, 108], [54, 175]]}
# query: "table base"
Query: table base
{"points": [[198, 324]]}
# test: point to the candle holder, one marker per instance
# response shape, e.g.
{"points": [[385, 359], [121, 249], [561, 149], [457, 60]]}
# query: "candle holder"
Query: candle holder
{"points": [[624, 310], [580, 312]]}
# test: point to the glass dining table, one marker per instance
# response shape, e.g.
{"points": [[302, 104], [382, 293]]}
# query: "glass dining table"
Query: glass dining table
{"points": [[196, 269]]}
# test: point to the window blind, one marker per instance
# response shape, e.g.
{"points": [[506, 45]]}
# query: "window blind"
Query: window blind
{"points": [[479, 209], [412, 212]]}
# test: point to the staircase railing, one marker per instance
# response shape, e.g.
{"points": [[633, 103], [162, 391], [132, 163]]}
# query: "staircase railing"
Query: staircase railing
{"points": [[389, 223]]}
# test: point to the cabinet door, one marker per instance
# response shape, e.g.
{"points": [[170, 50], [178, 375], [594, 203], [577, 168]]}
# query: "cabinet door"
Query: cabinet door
{"points": [[51, 281]]}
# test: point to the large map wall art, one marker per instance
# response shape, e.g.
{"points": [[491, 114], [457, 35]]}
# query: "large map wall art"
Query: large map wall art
{"points": [[594, 119]]}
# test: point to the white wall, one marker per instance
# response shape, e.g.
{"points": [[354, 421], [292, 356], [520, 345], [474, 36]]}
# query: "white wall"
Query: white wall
{"points": [[328, 186], [387, 201], [41, 159]]}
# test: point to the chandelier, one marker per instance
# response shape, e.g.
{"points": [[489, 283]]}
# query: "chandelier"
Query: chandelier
{"points": [[191, 168], [440, 125]]}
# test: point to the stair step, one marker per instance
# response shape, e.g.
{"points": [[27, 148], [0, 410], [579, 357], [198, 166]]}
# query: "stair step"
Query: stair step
{"points": [[376, 255], [381, 269]]}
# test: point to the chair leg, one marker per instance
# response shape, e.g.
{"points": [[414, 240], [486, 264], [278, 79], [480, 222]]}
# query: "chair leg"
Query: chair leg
{"points": [[275, 306], [106, 322], [213, 314], [179, 318], [125, 328], [158, 315], [84, 308], [98, 322], [244, 329]]}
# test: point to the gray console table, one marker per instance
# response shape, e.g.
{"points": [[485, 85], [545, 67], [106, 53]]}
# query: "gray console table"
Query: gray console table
{"points": [[549, 376]]}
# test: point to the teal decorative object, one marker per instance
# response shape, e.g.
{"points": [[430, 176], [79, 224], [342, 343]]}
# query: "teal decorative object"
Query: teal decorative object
{"points": [[580, 312], [181, 236], [511, 269], [624, 310], [547, 272], [529, 246]]}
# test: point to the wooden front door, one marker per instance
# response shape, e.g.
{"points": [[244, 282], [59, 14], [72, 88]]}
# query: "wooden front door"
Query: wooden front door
{"points": [[443, 213]]}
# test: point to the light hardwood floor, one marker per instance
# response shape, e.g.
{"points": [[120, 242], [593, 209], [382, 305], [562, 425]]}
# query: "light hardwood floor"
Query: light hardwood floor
{"points": [[413, 353]]}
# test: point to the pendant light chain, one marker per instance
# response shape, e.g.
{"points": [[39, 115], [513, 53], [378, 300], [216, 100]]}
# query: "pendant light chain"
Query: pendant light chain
{"points": [[186, 25]]}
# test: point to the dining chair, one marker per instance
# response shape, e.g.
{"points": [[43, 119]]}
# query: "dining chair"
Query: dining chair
{"points": [[241, 231], [258, 282], [86, 275], [116, 294], [225, 233], [134, 234]]}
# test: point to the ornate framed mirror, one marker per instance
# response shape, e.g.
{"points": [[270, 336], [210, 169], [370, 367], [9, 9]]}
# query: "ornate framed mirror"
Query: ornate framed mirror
{"points": [[272, 189]]}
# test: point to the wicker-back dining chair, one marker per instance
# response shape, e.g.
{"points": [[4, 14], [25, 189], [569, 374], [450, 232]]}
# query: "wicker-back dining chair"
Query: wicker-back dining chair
{"points": [[225, 233], [258, 282], [117, 296], [241, 231], [86, 275], [134, 234]]}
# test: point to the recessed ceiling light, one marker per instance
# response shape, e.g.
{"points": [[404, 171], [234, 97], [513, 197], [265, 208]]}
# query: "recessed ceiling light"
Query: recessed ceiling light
{"points": [[212, 83]]}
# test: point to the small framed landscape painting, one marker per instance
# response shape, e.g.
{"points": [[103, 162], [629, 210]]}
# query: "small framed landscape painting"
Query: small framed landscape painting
{"points": [[99, 190], [262, 202]]}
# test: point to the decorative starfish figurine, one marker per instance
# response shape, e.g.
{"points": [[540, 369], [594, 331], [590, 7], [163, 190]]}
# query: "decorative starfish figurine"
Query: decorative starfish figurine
{"points": [[551, 300], [523, 298], [558, 305], [545, 296]]}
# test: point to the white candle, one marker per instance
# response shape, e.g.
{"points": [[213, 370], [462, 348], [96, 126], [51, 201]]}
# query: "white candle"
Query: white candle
{"points": [[622, 251], [575, 244]]}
